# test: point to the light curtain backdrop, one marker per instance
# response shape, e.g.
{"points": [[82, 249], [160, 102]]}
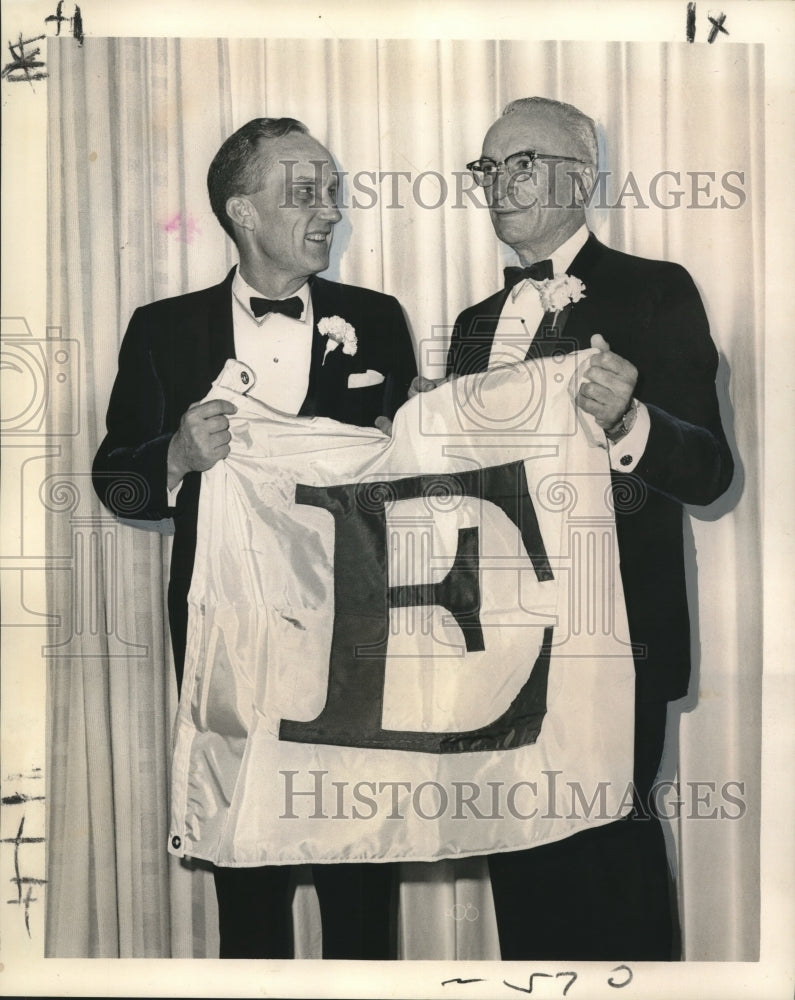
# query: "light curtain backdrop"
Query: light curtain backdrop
{"points": [[133, 125]]}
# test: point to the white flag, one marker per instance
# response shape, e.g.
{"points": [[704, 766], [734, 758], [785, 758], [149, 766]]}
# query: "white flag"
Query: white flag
{"points": [[409, 648]]}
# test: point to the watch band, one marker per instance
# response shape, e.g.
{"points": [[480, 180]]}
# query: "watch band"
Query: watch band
{"points": [[624, 425]]}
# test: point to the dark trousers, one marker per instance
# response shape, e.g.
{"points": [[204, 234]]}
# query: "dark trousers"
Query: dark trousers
{"points": [[255, 920], [602, 894]]}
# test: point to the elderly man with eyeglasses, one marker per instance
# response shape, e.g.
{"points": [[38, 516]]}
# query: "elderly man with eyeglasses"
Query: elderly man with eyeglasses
{"points": [[604, 893]]}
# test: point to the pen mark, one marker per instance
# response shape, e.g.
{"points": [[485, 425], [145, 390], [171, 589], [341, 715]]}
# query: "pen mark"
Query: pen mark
{"points": [[617, 985], [690, 29], [76, 21], [18, 798], [24, 898], [25, 67], [717, 26], [544, 975]]}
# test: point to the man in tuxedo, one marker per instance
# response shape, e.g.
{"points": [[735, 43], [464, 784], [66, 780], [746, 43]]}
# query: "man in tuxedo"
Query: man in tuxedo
{"points": [[603, 893], [273, 189]]}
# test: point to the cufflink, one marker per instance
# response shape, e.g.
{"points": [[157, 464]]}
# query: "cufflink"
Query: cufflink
{"points": [[176, 843], [625, 460]]}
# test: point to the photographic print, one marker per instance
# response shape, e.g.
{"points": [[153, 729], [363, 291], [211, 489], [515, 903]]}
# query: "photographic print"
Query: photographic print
{"points": [[394, 542]]}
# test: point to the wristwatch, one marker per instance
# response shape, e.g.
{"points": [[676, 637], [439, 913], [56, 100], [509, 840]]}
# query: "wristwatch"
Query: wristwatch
{"points": [[624, 425]]}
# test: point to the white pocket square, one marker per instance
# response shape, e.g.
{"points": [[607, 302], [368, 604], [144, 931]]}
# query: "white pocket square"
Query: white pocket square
{"points": [[360, 380]]}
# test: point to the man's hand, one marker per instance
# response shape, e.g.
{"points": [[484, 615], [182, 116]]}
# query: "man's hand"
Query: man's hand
{"points": [[202, 439], [611, 382], [421, 384]]}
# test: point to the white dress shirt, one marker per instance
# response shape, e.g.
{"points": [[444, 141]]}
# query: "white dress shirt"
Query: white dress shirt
{"points": [[523, 312], [277, 347], [519, 320]]}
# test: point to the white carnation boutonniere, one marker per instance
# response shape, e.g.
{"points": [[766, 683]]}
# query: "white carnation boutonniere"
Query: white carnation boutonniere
{"points": [[556, 293], [338, 331]]}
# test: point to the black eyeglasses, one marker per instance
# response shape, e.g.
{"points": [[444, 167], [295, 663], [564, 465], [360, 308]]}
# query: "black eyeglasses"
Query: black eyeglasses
{"points": [[485, 170]]}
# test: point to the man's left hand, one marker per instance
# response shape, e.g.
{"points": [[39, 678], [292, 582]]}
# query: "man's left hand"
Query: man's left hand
{"points": [[609, 386]]}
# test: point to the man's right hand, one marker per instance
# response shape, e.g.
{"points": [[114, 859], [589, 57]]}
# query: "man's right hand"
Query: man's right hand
{"points": [[201, 441], [421, 384]]}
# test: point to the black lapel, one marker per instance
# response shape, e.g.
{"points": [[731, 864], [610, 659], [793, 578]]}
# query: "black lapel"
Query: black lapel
{"points": [[477, 338], [220, 328], [550, 337], [587, 258], [318, 293], [198, 342]]}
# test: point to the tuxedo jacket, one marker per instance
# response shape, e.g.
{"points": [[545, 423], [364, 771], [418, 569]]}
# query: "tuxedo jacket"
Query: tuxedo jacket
{"points": [[172, 352], [651, 314]]}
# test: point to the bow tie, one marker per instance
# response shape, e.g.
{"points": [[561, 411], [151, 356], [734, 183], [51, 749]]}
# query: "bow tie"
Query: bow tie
{"points": [[289, 307], [538, 272]]}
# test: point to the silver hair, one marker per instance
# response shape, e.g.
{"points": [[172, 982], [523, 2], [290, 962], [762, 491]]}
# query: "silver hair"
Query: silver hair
{"points": [[580, 125]]}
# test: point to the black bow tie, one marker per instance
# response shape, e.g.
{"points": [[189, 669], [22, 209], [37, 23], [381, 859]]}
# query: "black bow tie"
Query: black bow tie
{"points": [[289, 307], [538, 272]]}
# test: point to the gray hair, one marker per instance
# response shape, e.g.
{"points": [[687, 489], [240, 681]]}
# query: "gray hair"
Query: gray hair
{"points": [[580, 125], [237, 167]]}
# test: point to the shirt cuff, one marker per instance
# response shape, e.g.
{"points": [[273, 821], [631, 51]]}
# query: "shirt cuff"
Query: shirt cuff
{"points": [[626, 453]]}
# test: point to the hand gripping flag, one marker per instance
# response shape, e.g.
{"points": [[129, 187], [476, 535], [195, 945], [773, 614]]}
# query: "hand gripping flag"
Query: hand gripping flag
{"points": [[405, 648]]}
